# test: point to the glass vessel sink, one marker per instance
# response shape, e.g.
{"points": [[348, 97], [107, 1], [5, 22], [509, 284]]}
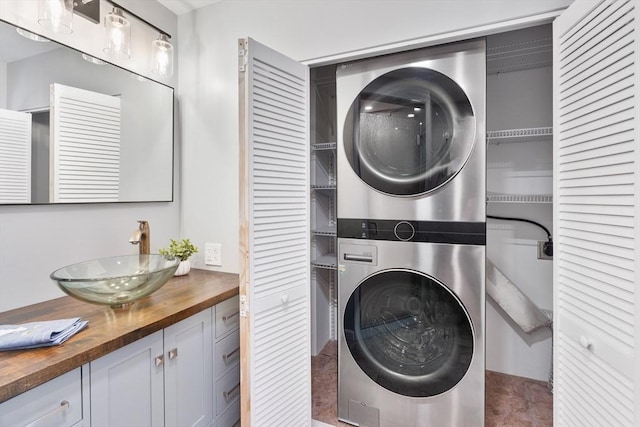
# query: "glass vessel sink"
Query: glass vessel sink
{"points": [[116, 281]]}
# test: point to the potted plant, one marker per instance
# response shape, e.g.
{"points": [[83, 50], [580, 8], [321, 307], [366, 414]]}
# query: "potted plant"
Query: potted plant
{"points": [[182, 250]]}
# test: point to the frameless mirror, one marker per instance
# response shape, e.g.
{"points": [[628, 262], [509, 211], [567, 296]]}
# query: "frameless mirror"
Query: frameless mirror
{"points": [[74, 129]]}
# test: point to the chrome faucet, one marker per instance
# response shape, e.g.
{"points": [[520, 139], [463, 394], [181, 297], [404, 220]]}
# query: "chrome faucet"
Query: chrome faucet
{"points": [[142, 236]]}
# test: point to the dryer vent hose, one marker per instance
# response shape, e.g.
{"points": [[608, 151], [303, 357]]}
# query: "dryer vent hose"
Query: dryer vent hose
{"points": [[548, 246]]}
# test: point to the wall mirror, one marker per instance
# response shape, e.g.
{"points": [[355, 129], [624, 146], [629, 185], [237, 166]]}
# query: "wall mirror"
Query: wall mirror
{"points": [[74, 129]]}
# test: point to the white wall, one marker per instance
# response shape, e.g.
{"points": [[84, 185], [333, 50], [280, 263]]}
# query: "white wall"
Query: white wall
{"points": [[36, 240], [3, 84], [208, 89]]}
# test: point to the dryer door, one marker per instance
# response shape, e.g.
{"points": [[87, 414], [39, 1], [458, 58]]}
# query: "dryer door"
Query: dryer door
{"points": [[409, 131], [409, 333]]}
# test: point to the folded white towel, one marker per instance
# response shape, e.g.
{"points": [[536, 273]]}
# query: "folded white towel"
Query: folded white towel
{"points": [[39, 334]]}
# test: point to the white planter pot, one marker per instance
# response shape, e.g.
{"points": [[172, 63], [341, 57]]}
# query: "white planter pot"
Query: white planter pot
{"points": [[183, 268]]}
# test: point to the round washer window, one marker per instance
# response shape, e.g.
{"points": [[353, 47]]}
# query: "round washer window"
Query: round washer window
{"points": [[409, 333], [409, 131]]}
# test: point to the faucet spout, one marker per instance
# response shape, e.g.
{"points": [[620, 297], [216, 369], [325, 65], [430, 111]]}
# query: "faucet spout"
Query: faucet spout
{"points": [[142, 236]]}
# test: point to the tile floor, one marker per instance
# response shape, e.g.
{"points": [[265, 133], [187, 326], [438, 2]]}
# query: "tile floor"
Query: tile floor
{"points": [[510, 401]]}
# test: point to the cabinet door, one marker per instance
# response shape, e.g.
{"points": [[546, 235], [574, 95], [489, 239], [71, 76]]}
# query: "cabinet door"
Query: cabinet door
{"points": [[188, 368], [127, 385], [597, 214], [274, 239]]}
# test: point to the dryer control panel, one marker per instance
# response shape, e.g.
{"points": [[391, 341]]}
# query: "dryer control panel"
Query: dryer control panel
{"points": [[454, 232]]}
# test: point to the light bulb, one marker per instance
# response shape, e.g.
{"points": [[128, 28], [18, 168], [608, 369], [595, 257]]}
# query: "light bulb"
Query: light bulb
{"points": [[118, 35], [162, 57], [56, 15]]}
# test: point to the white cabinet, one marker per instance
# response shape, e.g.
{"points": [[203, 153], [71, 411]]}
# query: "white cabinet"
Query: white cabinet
{"points": [[226, 363], [169, 377], [127, 385], [55, 403], [188, 372]]}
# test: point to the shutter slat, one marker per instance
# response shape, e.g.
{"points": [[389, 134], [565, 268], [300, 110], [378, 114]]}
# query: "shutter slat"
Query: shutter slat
{"points": [[277, 381], [85, 146], [15, 157], [596, 207]]}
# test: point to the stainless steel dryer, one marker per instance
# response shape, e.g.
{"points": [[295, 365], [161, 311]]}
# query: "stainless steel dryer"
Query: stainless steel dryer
{"points": [[411, 325], [411, 135]]}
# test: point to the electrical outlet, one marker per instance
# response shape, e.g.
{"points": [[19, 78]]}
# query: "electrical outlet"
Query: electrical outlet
{"points": [[213, 254], [542, 254]]}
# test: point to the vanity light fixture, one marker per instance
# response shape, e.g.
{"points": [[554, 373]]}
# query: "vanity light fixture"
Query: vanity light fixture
{"points": [[118, 34], [56, 15], [162, 56]]}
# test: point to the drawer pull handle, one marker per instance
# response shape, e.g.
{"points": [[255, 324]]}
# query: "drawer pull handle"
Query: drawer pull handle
{"points": [[173, 353], [226, 394], [229, 317], [159, 360], [63, 406], [228, 356], [359, 258], [236, 424]]}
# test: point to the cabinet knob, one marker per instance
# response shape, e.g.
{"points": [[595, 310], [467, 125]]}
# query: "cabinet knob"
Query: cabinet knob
{"points": [[159, 360], [173, 353], [284, 299], [585, 342]]}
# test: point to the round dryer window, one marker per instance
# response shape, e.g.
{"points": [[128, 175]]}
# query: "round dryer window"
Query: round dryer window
{"points": [[409, 131], [409, 333]]}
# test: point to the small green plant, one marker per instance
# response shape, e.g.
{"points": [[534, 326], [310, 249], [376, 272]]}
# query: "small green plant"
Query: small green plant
{"points": [[182, 249]]}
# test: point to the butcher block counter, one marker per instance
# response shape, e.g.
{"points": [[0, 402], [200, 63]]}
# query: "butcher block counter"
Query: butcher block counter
{"points": [[108, 330]]}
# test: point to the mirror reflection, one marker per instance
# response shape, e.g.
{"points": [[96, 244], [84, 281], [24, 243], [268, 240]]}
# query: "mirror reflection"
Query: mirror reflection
{"points": [[74, 129]]}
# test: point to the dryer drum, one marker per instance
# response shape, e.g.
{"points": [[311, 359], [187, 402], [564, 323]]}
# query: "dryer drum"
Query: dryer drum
{"points": [[409, 333], [409, 131]]}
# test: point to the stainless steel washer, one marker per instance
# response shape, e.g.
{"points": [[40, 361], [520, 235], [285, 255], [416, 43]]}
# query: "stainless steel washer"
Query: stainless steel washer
{"points": [[411, 331], [411, 135]]}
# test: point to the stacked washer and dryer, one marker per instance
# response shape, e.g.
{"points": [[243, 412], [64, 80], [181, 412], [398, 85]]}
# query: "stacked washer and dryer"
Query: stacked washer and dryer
{"points": [[411, 238]]}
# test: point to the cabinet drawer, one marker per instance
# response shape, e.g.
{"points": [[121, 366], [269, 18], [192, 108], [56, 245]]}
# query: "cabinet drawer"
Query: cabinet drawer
{"points": [[227, 389], [230, 417], [227, 316], [46, 403], [227, 353]]}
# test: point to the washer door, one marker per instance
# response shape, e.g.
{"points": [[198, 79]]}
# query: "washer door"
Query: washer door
{"points": [[409, 131], [409, 333]]}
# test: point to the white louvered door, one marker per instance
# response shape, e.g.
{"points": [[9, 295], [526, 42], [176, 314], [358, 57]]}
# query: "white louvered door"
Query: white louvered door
{"points": [[274, 239], [85, 146], [597, 214], [15, 157]]}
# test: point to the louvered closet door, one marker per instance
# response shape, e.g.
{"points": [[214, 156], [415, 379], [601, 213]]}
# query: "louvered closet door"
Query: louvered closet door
{"points": [[15, 157], [597, 214], [274, 239], [85, 146]]}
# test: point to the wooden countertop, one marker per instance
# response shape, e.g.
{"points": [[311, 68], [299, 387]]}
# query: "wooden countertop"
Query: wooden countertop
{"points": [[108, 329]]}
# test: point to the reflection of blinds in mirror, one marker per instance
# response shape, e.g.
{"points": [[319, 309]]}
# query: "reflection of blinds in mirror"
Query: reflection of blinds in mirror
{"points": [[85, 145], [15, 157]]}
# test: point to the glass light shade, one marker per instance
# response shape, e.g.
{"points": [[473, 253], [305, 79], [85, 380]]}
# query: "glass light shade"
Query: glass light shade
{"points": [[162, 57], [92, 59], [56, 15], [31, 36], [118, 33]]}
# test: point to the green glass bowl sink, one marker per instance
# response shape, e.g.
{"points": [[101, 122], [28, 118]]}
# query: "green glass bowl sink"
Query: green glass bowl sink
{"points": [[116, 281]]}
